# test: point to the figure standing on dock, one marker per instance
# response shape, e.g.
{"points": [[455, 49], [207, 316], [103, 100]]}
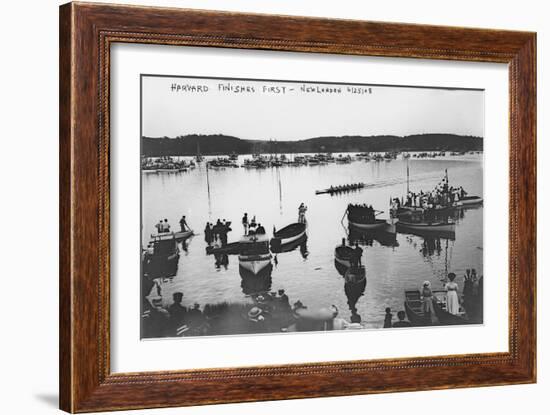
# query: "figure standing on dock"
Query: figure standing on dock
{"points": [[452, 295], [427, 302]]}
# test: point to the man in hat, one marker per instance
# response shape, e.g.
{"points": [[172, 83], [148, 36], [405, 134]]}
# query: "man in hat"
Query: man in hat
{"points": [[283, 300], [177, 311]]}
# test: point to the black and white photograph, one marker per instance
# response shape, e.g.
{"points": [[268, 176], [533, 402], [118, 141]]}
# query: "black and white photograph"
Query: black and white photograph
{"points": [[283, 206]]}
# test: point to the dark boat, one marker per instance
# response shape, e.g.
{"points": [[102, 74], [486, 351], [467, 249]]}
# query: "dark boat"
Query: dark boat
{"points": [[413, 308], [443, 316], [161, 258], [343, 255], [288, 234], [364, 218], [278, 249]]}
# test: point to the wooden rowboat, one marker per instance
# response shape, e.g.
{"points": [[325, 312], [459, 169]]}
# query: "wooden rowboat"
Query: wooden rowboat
{"points": [[377, 224], [288, 234], [426, 226], [413, 309], [343, 255], [179, 236]]}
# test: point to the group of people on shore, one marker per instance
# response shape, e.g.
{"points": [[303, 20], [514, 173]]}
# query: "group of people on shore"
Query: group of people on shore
{"points": [[173, 320], [217, 232]]}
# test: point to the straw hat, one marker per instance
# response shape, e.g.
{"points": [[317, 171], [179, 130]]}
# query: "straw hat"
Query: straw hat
{"points": [[426, 284], [254, 312]]}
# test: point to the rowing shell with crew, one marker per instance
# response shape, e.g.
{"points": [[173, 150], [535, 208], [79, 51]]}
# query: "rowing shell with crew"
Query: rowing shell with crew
{"points": [[341, 188]]}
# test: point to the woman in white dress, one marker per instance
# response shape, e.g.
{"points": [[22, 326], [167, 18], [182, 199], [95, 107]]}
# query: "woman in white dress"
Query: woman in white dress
{"points": [[452, 294]]}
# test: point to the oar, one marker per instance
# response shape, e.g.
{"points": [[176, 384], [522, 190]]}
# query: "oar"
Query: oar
{"points": [[378, 212]]}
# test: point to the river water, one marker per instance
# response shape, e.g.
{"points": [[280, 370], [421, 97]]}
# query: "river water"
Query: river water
{"points": [[308, 274]]}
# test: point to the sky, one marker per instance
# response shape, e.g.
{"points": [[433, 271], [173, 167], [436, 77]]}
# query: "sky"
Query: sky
{"points": [[283, 110]]}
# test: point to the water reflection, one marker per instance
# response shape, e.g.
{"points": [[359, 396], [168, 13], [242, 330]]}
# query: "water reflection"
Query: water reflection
{"points": [[367, 238], [256, 283]]}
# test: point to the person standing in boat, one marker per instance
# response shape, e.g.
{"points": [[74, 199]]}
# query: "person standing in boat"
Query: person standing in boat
{"points": [[357, 254], [302, 213], [160, 226], [452, 295], [183, 224], [245, 223], [260, 230], [166, 226]]}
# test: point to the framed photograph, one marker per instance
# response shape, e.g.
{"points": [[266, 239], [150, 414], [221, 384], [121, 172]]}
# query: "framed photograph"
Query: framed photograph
{"points": [[258, 207]]}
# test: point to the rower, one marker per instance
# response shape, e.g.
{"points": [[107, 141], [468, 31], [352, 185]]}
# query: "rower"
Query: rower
{"points": [[183, 224]]}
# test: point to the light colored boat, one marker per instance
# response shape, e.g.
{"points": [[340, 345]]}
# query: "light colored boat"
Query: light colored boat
{"points": [[427, 226], [377, 224], [179, 236], [254, 253], [470, 200]]}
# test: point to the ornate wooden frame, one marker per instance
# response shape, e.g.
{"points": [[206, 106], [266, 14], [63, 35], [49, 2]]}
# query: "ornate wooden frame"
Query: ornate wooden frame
{"points": [[86, 33]]}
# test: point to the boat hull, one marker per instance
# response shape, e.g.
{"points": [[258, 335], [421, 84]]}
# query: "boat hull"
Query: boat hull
{"points": [[426, 227], [343, 255], [378, 224], [254, 264], [179, 236], [471, 201], [289, 240], [288, 235]]}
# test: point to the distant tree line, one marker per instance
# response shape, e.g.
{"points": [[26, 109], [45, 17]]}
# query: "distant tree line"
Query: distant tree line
{"points": [[218, 144]]}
